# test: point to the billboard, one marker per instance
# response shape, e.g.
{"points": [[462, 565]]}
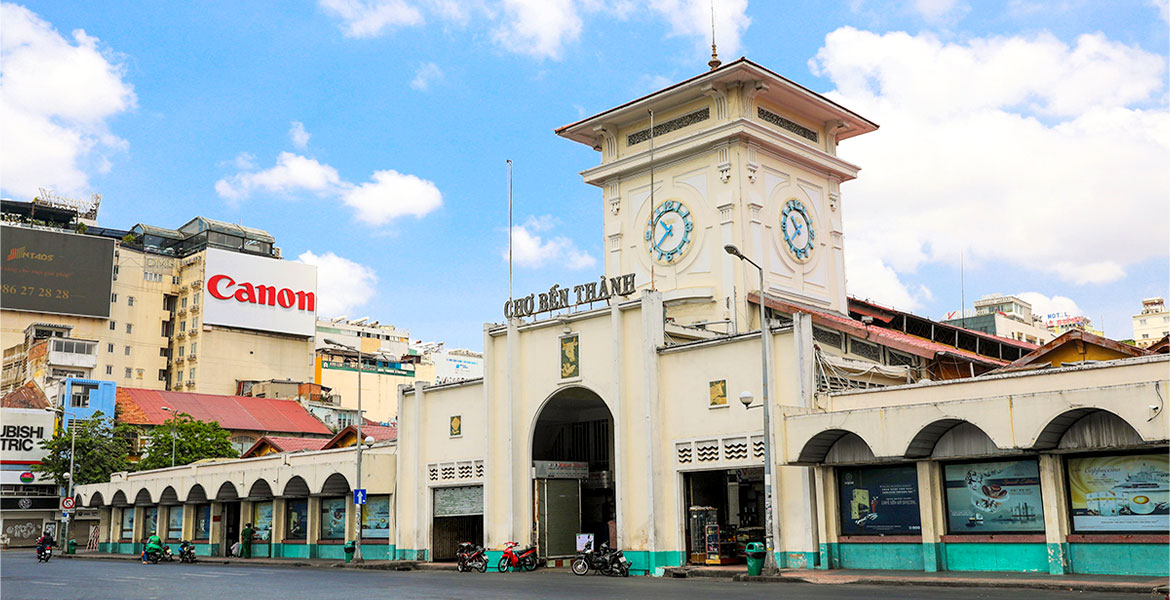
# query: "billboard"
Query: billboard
{"points": [[879, 500], [994, 497], [54, 272], [263, 294], [1120, 493]]}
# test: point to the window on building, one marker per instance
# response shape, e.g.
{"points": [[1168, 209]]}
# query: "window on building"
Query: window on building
{"points": [[194, 322], [113, 298], [130, 301], [127, 523], [297, 512], [1142, 321], [139, 372], [183, 302], [109, 369], [113, 325], [79, 398], [162, 374], [191, 374], [1145, 335], [182, 326], [129, 373], [195, 300], [179, 375], [127, 350], [193, 346], [175, 280], [181, 350], [129, 328], [109, 348], [202, 522], [332, 518], [174, 523]]}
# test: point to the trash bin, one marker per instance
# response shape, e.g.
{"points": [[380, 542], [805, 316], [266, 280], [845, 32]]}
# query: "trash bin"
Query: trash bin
{"points": [[349, 548], [71, 547], [755, 558]]}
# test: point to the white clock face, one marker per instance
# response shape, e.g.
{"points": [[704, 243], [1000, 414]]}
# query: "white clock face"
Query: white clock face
{"points": [[797, 227], [668, 231]]}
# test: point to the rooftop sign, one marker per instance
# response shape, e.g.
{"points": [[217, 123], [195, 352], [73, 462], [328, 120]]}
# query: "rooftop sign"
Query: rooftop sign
{"points": [[558, 298], [259, 293]]}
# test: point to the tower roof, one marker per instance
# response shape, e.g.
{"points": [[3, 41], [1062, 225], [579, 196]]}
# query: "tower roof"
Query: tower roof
{"points": [[778, 88]]}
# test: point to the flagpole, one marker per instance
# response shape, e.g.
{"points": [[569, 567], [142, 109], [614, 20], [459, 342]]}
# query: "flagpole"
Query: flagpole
{"points": [[509, 230], [653, 222]]}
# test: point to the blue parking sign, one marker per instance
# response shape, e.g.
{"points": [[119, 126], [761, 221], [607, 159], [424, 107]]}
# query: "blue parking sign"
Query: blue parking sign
{"points": [[359, 496]]}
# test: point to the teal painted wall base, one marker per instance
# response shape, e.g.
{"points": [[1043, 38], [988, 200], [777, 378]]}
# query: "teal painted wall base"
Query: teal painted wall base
{"points": [[291, 550], [377, 551], [1120, 559], [122, 547], [1057, 559], [643, 562], [990, 556], [901, 557], [262, 550], [411, 554], [206, 549], [932, 557], [797, 560], [830, 557], [332, 551]]}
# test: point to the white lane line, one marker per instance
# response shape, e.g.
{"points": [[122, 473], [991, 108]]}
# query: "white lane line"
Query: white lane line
{"points": [[47, 583], [201, 575]]}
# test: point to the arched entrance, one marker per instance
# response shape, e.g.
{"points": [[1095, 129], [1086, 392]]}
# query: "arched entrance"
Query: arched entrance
{"points": [[573, 462]]}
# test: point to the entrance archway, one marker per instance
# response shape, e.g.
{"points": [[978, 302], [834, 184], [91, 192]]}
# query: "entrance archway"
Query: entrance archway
{"points": [[573, 459]]}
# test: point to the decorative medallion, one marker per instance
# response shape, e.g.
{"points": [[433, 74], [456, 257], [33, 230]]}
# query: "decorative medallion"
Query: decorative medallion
{"points": [[456, 426]]}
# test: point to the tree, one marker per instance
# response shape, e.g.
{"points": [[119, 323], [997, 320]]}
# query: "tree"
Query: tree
{"points": [[193, 440], [102, 447]]}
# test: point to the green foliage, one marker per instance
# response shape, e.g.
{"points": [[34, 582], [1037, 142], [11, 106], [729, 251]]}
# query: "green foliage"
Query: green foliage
{"points": [[128, 238], [82, 228], [193, 440], [101, 447]]}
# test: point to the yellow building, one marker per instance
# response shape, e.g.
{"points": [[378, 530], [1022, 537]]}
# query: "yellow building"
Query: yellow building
{"points": [[1152, 324]]}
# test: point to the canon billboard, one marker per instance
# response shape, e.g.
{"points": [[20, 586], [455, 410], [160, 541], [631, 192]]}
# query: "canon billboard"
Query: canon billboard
{"points": [[264, 294]]}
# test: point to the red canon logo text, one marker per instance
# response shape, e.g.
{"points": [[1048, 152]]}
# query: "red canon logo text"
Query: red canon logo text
{"points": [[220, 286]]}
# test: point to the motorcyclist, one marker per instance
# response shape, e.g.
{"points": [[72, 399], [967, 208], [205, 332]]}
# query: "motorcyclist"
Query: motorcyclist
{"points": [[153, 544], [44, 541]]}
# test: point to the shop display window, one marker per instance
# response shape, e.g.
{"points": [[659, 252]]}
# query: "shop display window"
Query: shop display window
{"points": [[203, 522], [174, 523], [297, 512], [128, 523], [333, 518]]}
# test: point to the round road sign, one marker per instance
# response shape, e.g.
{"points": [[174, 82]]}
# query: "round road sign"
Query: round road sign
{"points": [[67, 503]]}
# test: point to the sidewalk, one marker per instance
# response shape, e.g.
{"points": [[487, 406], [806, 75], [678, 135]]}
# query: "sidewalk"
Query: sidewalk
{"points": [[1084, 583], [318, 563]]}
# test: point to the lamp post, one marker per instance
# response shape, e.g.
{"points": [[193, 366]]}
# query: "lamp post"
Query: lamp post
{"points": [[746, 399], [172, 411], [72, 454], [357, 549]]}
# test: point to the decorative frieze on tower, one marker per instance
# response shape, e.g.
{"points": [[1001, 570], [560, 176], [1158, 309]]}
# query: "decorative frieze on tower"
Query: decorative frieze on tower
{"points": [[741, 156]]}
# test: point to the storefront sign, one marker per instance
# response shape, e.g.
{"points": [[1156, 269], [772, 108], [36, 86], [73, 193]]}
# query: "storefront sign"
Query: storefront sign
{"points": [[879, 500], [263, 294], [21, 432], [994, 497], [558, 298], [560, 469], [1120, 493]]}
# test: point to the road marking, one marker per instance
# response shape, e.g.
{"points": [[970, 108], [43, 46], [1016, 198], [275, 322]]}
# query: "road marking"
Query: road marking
{"points": [[47, 583], [200, 575]]}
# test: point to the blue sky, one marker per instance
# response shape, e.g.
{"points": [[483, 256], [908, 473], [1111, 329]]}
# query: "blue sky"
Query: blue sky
{"points": [[371, 136]]}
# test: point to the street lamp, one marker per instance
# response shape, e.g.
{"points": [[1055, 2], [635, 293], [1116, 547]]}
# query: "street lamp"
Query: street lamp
{"points": [[746, 399], [357, 549], [172, 411], [72, 452]]}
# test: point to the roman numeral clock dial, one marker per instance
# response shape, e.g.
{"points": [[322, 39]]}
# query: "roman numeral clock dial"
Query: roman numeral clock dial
{"points": [[669, 232]]}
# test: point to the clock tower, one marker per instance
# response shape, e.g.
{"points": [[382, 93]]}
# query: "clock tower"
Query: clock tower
{"points": [[737, 155]]}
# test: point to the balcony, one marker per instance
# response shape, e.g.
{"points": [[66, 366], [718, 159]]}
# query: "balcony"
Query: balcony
{"points": [[191, 357], [190, 383], [195, 309], [194, 331], [66, 352], [180, 360], [196, 284], [180, 335]]}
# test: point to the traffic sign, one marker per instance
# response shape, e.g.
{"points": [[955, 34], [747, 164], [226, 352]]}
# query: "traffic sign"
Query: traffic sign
{"points": [[67, 503], [359, 496]]}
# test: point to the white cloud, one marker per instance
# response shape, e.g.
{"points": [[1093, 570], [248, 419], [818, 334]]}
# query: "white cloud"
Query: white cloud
{"points": [[390, 195], [1163, 7], [1023, 151], [298, 135], [291, 174], [243, 161], [934, 11], [539, 28], [427, 73], [342, 284], [56, 96], [692, 18], [529, 249], [370, 18], [1043, 305], [870, 278]]}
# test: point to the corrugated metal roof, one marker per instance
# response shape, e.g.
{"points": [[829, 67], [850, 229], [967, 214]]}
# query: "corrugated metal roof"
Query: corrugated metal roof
{"points": [[238, 413], [25, 396], [380, 433]]}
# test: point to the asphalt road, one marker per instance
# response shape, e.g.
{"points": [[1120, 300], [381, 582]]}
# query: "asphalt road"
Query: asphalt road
{"points": [[21, 577]]}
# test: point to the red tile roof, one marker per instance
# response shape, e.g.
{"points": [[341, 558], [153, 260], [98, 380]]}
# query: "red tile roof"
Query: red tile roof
{"points": [[25, 396], [286, 444], [380, 433], [237, 413], [891, 338], [859, 306]]}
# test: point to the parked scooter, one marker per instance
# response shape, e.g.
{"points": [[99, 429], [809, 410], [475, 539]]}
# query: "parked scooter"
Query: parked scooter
{"points": [[186, 552], [470, 557], [590, 560], [525, 560], [44, 553], [618, 564]]}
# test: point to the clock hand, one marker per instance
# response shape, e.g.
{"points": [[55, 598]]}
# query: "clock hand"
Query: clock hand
{"points": [[796, 227], [665, 234]]}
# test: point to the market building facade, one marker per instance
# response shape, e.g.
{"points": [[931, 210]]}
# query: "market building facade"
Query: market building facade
{"points": [[628, 407]]}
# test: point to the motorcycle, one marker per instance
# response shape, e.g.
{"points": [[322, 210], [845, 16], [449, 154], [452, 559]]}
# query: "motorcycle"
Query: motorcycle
{"points": [[161, 554], [604, 560], [525, 560], [186, 552], [470, 557], [44, 554]]}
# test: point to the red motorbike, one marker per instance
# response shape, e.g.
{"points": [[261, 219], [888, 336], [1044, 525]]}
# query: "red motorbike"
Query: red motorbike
{"points": [[470, 558], [525, 560]]}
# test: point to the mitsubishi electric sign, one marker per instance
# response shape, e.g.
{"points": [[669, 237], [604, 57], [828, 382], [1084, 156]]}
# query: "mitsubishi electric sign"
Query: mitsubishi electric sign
{"points": [[264, 294]]}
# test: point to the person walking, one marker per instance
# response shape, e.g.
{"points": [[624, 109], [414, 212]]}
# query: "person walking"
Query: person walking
{"points": [[246, 541]]}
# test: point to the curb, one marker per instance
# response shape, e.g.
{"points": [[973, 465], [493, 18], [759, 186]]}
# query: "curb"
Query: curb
{"points": [[1086, 586], [218, 560]]}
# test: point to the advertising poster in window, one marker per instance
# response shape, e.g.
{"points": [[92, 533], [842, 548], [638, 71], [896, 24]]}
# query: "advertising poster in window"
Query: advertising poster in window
{"points": [[333, 518], [150, 521], [994, 497], [203, 522], [262, 522], [881, 500], [174, 522], [127, 523], [376, 518], [1120, 493]]}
